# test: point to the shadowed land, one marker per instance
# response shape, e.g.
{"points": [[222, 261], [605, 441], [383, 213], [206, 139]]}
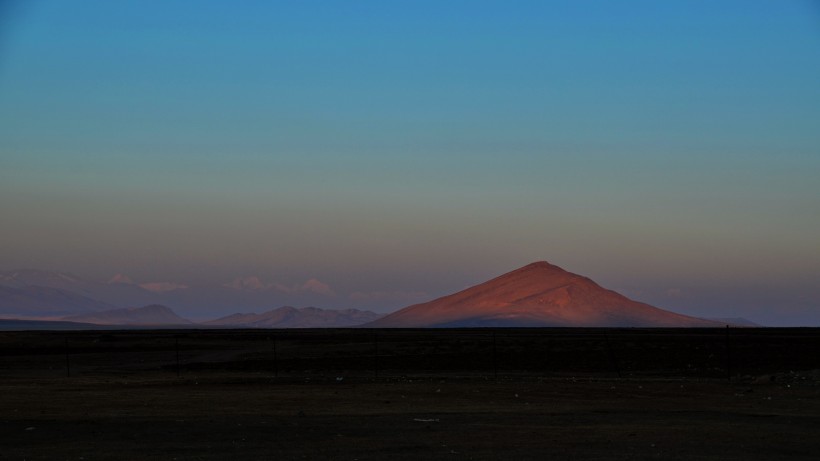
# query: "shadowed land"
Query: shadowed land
{"points": [[215, 416], [320, 398], [359, 352]]}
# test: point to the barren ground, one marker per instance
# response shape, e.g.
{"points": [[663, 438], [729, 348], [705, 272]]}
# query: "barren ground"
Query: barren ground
{"points": [[213, 414]]}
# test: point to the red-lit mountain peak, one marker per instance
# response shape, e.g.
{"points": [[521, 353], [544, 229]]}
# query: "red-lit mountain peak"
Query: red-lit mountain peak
{"points": [[538, 294]]}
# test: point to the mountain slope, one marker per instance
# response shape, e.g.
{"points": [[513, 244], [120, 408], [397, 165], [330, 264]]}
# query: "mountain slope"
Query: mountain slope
{"points": [[737, 322], [539, 294], [147, 315], [115, 294], [34, 301], [29, 325], [291, 317]]}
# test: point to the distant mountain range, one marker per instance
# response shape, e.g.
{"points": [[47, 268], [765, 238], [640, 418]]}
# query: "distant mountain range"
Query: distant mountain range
{"points": [[198, 300], [537, 295], [35, 295], [162, 316], [51, 325], [737, 322], [40, 301], [147, 315], [291, 317]]}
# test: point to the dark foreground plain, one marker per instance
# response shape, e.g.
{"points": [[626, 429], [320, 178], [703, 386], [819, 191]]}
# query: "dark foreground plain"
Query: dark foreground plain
{"points": [[411, 394]]}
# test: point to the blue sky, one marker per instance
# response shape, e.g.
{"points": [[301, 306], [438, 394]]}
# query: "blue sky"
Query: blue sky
{"points": [[669, 149]]}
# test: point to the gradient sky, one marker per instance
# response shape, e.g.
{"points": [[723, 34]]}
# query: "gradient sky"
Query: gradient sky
{"points": [[666, 149]]}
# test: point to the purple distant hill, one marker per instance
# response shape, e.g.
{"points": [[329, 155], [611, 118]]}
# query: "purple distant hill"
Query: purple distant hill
{"points": [[291, 317], [39, 301], [143, 316]]}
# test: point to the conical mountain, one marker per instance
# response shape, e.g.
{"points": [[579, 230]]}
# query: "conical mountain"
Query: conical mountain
{"points": [[538, 294]]}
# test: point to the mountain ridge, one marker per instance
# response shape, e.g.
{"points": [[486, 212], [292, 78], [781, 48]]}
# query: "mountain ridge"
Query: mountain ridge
{"points": [[538, 294], [154, 314], [292, 317], [35, 300]]}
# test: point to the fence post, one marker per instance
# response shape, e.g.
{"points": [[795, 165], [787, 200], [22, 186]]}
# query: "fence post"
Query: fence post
{"points": [[67, 360]]}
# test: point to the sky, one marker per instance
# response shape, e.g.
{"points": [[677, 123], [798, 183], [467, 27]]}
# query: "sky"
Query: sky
{"points": [[667, 150]]}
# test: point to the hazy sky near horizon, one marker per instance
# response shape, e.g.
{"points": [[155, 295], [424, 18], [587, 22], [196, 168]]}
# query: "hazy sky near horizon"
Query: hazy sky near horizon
{"points": [[662, 148]]}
